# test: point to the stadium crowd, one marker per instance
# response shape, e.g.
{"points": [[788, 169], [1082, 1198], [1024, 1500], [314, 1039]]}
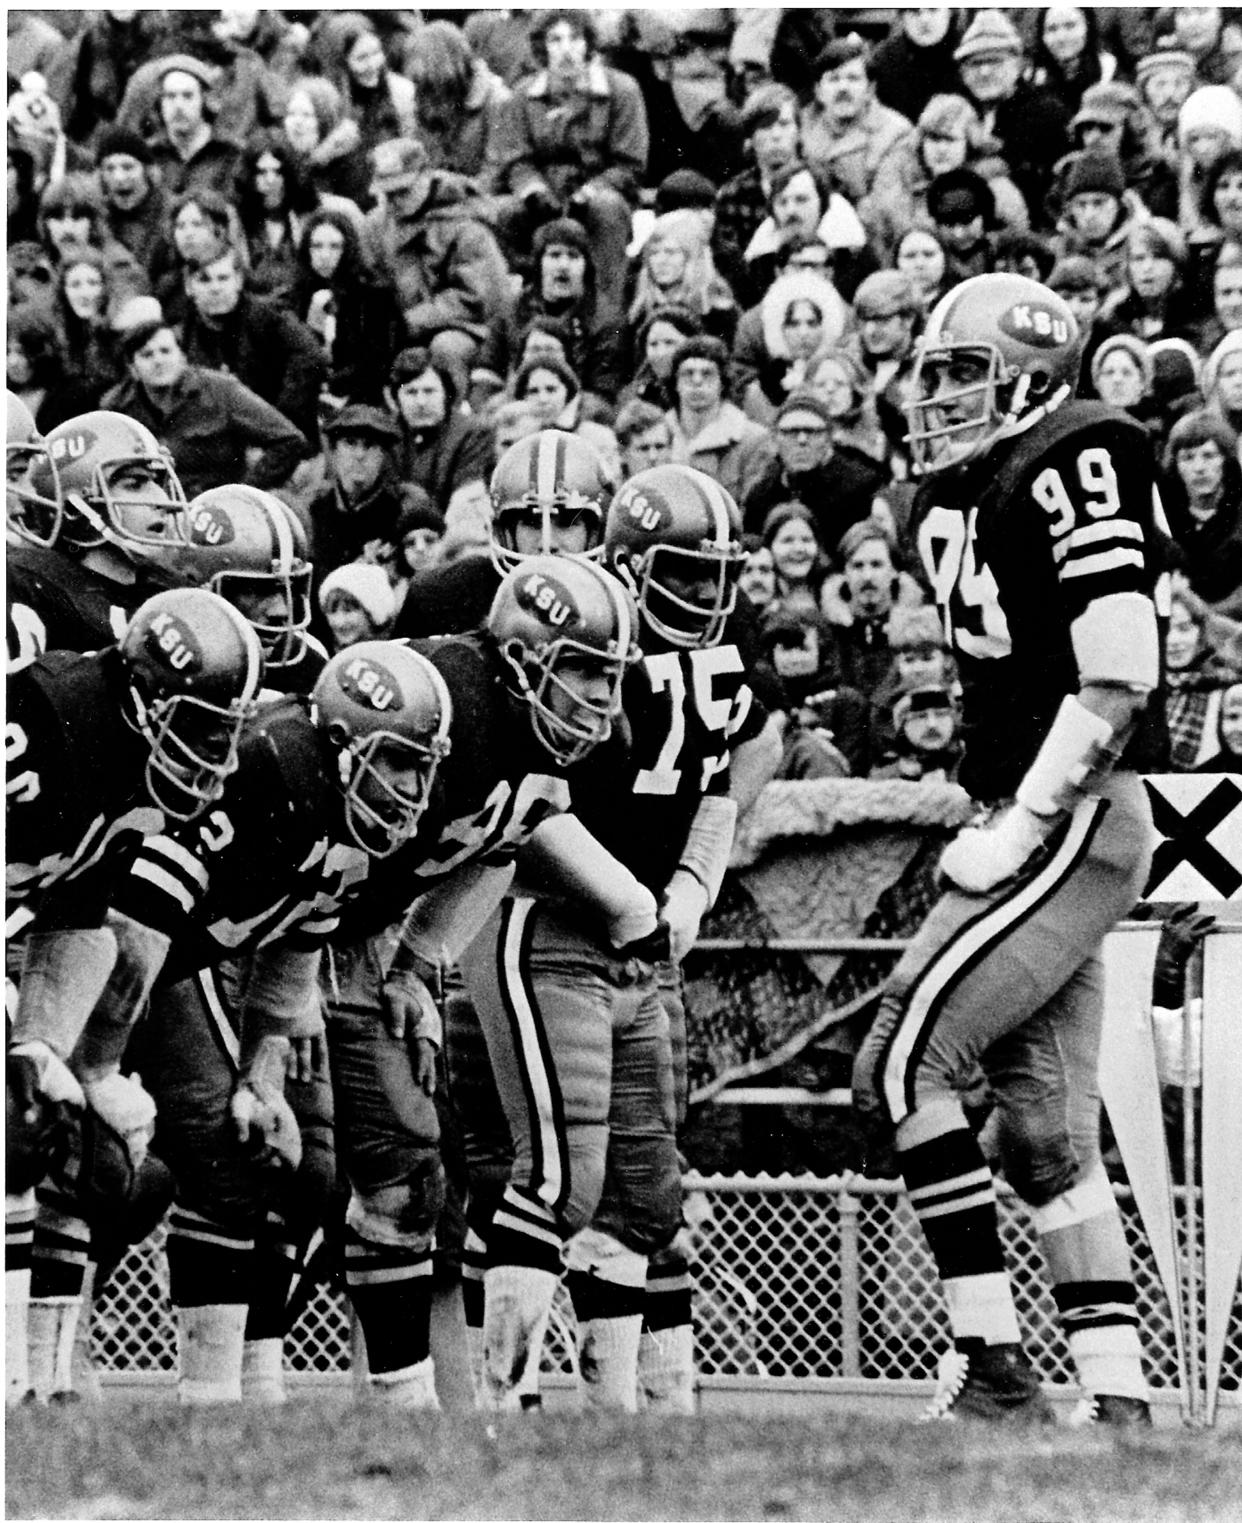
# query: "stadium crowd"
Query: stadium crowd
{"points": [[352, 260]]}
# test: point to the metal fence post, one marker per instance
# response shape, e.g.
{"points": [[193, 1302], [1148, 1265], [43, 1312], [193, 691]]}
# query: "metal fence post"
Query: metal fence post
{"points": [[1192, 992], [848, 1212]]}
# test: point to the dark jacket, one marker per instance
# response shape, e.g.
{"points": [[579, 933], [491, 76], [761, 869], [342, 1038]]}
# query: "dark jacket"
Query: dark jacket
{"points": [[442, 459], [444, 262], [839, 494], [208, 424], [141, 230], [1212, 549], [906, 77], [268, 350], [217, 166], [1032, 127], [599, 133]]}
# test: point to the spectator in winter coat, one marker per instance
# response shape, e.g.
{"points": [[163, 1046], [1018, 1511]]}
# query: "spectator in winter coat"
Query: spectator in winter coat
{"points": [[770, 122], [948, 136], [575, 140], [1164, 79], [1201, 487], [211, 423], [188, 151], [802, 204], [1067, 57], [915, 61], [90, 76], [1030, 123], [378, 100], [1153, 301], [709, 432], [428, 240], [846, 131], [659, 338], [356, 516], [963, 212], [135, 201], [71, 216], [676, 269], [458, 105], [1222, 380], [1098, 214], [1209, 125], [444, 452], [1201, 661], [1113, 119], [859, 603], [803, 316], [259, 342], [327, 141]]}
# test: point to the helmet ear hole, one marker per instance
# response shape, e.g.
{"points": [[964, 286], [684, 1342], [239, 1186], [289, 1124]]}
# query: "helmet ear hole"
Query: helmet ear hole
{"points": [[338, 733]]}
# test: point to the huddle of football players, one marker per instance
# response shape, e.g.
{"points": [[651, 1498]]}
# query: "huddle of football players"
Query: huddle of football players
{"points": [[263, 903]]}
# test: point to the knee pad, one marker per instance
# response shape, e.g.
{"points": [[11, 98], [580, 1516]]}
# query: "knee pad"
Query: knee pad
{"points": [[1037, 1157], [402, 1215]]}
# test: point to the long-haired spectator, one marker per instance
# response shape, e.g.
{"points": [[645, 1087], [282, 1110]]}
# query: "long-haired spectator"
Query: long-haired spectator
{"points": [[710, 432], [663, 330], [1067, 57], [32, 362], [949, 135], [677, 269], [459, 104], [1200, 663], [355, 317], [275, 198], [72, 213], [555, 396], [799, 563], [377, 98], [1222, 380], [90, 356], [328, 142], [1201, 487], [1153, 302]]}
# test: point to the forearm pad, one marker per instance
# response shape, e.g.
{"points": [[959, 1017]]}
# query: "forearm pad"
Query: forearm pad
{"points": [[709, 843], [566, 856], [140, 956], [1075, 751], [281, 993], [63, 975]]}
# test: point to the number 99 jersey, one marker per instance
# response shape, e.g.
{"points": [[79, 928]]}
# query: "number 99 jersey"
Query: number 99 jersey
{"points": [[1043, 559]]}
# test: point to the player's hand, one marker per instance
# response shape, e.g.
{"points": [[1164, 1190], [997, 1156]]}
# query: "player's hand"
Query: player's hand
{"points": [[125, 1106], [685, 904], [981, 857], [423, 1060], [266, 1125], [308, 1059], [655, 947], [408, 1008], [37, 1075]]}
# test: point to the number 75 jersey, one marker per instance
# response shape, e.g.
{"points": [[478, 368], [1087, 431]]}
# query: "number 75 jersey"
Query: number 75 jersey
{"points": [[685, 713], [1035, 557]]}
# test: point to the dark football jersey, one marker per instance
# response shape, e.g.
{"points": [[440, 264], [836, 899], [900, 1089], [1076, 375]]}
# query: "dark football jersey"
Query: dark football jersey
{"points": [[1017, 548], [76, 798], [685, 712], [56, 603]]}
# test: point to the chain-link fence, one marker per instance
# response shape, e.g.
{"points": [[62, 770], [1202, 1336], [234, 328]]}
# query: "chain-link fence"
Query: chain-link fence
{"points": [[796, 1277]]}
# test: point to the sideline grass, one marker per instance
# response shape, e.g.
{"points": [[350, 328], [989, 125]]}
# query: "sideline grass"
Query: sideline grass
{"points": [[324, 1458]]}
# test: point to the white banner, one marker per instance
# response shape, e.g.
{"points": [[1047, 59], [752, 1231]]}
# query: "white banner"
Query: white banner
{"points": [[1198, 819]]}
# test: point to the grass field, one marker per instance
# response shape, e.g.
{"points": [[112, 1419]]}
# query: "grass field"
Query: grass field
{"points": [[324, 1458]]}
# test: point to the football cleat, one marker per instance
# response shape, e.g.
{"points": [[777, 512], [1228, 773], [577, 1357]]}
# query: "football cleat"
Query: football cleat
{"points": [[988, 1383], [1109, 1411]]}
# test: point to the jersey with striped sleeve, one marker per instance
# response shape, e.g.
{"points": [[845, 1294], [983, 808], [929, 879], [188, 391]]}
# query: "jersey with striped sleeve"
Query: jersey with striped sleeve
{"points": [[76, 801], [684, 713], [1029, 552]]}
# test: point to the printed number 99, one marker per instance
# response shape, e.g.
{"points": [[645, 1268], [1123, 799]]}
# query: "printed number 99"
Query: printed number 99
{"points": [[1098, 480]]}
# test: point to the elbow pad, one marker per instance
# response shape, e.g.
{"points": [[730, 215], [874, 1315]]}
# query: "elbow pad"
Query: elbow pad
{"points": [[1117, 642], [709, 843]]}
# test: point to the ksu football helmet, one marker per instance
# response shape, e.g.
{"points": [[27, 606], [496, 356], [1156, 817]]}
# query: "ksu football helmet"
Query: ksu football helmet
{"points": [[118, 487], [565, 629], [544, 480], [999, 353], [387, 710], [674, 536], [248, 547], [32, 502], [195, 671]]}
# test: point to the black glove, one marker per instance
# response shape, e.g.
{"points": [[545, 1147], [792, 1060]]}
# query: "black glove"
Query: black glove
{"points": [[1182, 932], [652, 948]]}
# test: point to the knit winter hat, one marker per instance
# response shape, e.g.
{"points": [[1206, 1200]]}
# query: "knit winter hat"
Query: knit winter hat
{"points": [[367, 585], [418, 511], [804, 401], [1092, 172], [1162, 58], [1211, 106], [960, 195], [1230, 344], [564, 232], [989, 32], [121, 140], [1134, 347]]}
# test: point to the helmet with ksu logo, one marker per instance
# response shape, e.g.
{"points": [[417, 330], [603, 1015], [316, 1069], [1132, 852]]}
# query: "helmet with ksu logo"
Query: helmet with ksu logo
{"points": [[387, 711]]}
